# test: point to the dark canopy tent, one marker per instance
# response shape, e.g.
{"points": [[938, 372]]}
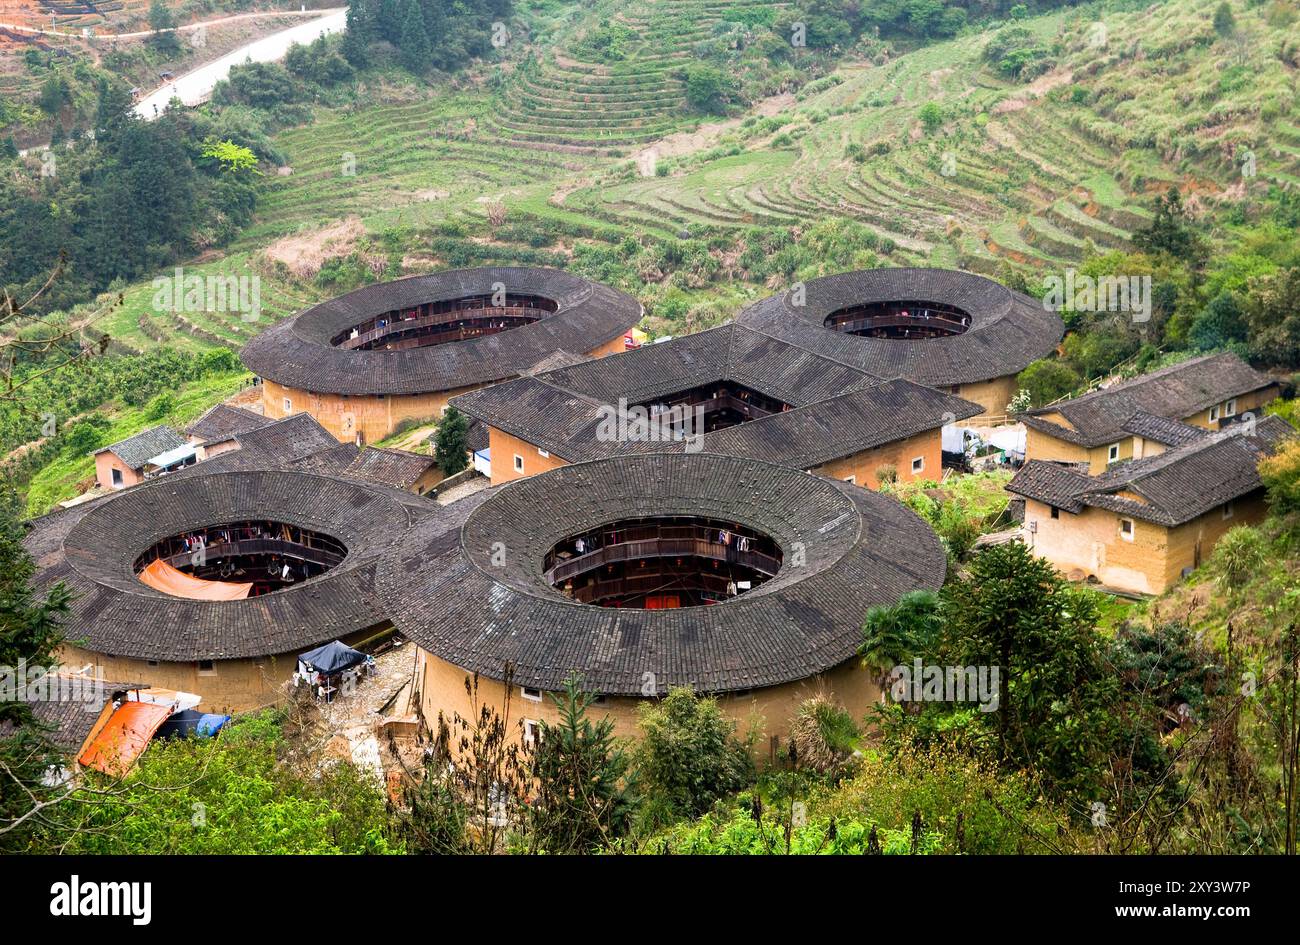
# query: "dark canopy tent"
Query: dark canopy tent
{"points": [[332, 658]]}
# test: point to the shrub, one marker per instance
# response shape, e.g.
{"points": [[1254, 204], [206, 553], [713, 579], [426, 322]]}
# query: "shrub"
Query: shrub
{"points": [[690, 756], [822, 736]]}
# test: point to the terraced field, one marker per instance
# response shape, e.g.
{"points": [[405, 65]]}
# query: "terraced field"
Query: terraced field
{"points": [[1032, 177]]}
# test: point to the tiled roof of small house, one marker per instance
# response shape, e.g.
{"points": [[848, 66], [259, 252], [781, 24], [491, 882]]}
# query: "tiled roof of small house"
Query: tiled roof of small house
{"points": [[137, 450], [1172, 487], [1007, 330], [298, 352], [224, 422], [844, 550], [1174, 392], [838, 410], [71, 705]]}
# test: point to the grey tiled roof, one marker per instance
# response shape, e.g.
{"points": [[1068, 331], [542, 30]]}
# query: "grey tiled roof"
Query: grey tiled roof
{"points": [[223, 422], [839, 410], [388, 467], [859, 548], [1174, 392], [1007, 331], [137, 450], [1174, 487], [280, 443], [93, 549], [73, 718], [298, 353], [1162, 429]]}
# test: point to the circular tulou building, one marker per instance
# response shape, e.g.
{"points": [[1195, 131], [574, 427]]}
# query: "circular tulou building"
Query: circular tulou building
{"points": [[364, 362], [961, 333], [214, 583], [742, 579]]}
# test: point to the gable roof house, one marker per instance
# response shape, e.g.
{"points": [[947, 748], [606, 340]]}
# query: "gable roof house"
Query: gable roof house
{"points": [[736, 391], [1148, 414], [1141, 524], [219, 429], [157, 450]]}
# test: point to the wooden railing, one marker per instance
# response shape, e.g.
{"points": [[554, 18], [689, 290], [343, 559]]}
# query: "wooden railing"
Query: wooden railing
{"points": [[695, 545], [400, 325], [324, 557]]}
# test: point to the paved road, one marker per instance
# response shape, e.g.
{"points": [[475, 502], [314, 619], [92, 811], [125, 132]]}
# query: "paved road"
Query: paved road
{"points": [[113, 37], [193, 88]]}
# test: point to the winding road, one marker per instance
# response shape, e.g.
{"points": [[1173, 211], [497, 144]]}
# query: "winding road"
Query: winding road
{"points": [[193, 88]]}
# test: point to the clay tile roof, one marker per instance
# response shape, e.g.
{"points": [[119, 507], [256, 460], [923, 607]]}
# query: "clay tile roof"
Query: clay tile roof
{"points": [[298, 353], [1007, 331], [224, 422], [71, 706], [842, 426], [1162, 429], [1173, 487], [858, 548], [1174, 392], [137, 450], [93, 549], [838, 410]]}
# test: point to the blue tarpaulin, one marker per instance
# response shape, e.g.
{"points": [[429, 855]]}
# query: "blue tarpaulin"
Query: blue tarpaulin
{"points": [[190, 722]]}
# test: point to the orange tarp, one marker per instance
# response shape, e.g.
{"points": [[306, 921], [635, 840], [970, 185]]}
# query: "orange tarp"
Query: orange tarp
{"points": [[124, 737], [161, 576]]}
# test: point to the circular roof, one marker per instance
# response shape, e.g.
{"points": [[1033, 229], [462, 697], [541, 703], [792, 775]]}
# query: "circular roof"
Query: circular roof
{"points": [[298, 352], [1007, 331], [477, 597], [94, 548]]}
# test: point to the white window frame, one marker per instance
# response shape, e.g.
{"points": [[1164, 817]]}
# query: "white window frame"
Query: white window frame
{"points": [[288, 405], [1132, 528], [1228, 510], [1112, 453], [852, 479], [519, 463], [532, 728], [116, 479], [1214, 414], [543, 453], [526, 692], [1230, 408], [918, 465]]}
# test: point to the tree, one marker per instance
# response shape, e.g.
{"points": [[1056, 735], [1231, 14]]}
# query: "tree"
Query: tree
{"points": [[895, 633], [30, 633], [452, 443], [931, 115], [416, 49], [1171, 232], [1225, 24], [163, 23], [583, 796], [689, 753], [1048, 380], [1281, 475], [1272, 313], [707, 89]]}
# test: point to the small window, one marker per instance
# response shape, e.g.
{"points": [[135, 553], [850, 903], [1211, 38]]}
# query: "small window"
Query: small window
{"points": [[1056, 513], [542, 453], [288, 405], [531, 694], [852, 479], [532, 731], [1228, 510], [519, 463], [1112, 453], [207, 667], [117, 477], [1126, 529], [152, 662], [1214, 414], [1230, 408], [918, 464]]}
